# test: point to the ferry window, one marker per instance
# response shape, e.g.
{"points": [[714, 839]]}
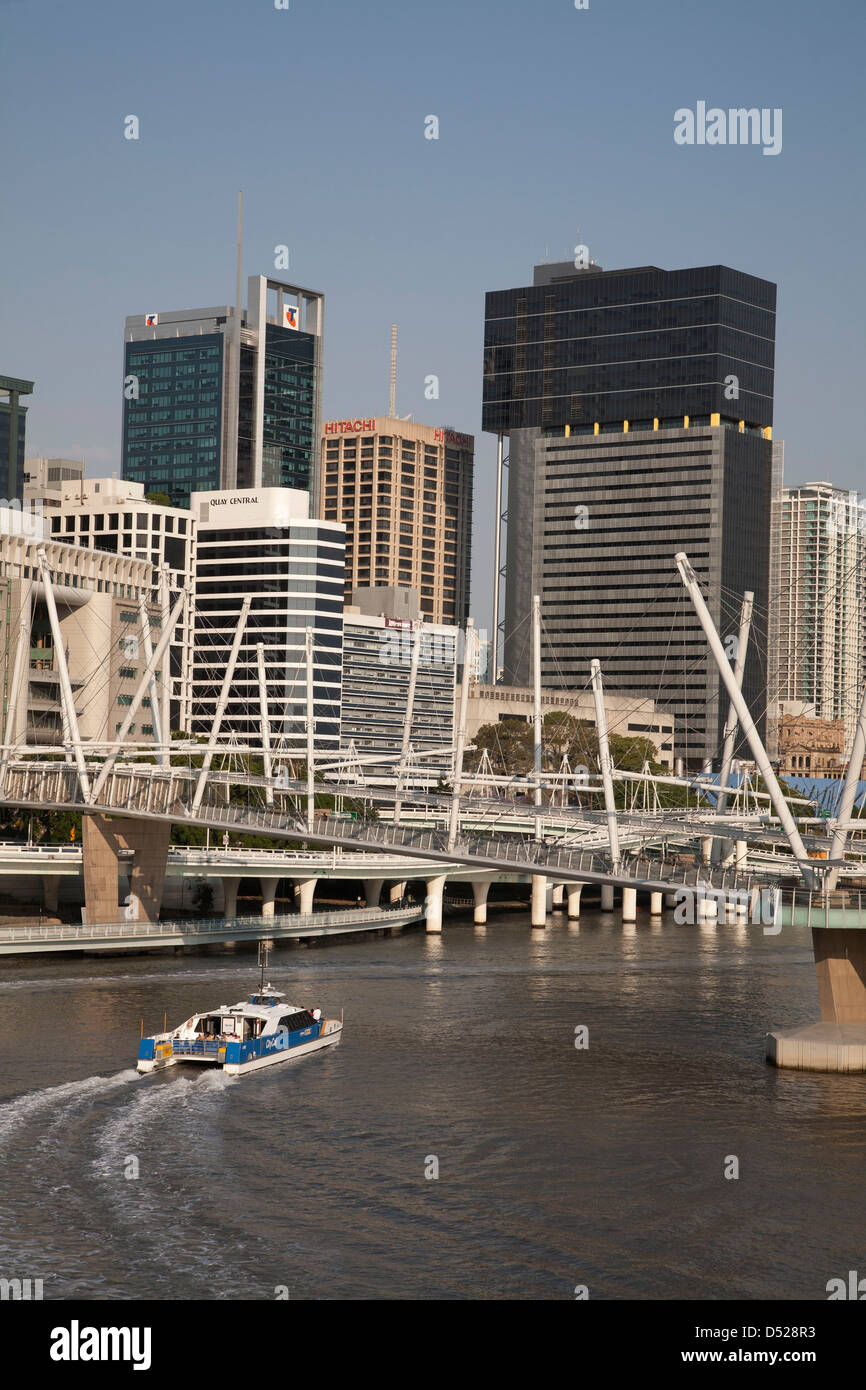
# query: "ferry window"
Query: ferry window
{"points": [[294, 1022]]}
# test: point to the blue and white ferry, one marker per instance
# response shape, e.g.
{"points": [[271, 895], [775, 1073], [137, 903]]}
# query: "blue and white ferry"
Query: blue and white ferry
{"points": [[258, 1032]]}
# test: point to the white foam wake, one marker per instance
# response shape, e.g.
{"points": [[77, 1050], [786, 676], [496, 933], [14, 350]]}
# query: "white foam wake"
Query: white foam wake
{"points": [[18, 1113]]}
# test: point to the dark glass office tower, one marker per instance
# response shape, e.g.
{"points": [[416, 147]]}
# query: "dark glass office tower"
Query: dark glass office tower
{"points": [[13, 419], [204, 412], [639, 408], [172, 432]]}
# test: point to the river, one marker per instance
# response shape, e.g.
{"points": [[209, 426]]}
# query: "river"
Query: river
{"points": [[558, 1166]]}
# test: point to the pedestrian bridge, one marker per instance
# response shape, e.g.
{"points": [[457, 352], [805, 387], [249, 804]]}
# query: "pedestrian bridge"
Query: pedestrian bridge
{"points": [[167, 795]]}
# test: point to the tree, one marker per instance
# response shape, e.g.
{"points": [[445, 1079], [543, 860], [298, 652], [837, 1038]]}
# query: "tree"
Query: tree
{"points": [[202, 898], [510, 746], [158, 499]]}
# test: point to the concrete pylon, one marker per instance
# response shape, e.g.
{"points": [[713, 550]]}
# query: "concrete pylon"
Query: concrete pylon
{"points": [[538, 903], [838, 1042], [629, 904], [655, 904], [230, 897], [373, 890], [103, 839], [574, 891], [269, 895], [306, 888], [480, 889], [396, 893], [557, 896], [51, 891], [607, 897], [433, 913]]}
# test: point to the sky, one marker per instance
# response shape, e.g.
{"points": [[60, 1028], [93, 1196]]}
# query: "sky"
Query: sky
{"points": [[555, 127]]}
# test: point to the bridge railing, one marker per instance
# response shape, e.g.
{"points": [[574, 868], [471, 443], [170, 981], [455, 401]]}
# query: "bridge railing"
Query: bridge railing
{"points": [[207, 926]]}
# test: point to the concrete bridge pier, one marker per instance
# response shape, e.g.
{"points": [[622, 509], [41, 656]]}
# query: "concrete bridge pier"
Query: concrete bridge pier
{"points": [[269, 895], [396, 893], [671, 900], [656, 904], [557, 896], [607, 897], [373, 890], [538, 901], [230, 896], [574, 890], [838, 1042], [629, 904], [706, 849], [742, 854], [433, 914], [305, 890], [480, 890], [51, 892], [103, 839]]}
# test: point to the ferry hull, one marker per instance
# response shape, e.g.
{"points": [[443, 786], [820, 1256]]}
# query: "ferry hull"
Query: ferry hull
{"points": [[285, 1055]]}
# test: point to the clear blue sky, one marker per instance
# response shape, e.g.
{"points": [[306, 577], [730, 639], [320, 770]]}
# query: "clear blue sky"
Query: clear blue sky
{"points": [[551, 119]]}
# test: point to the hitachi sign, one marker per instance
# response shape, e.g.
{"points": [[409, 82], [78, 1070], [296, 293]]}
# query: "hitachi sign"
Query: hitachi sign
{"points": [[349, 426], [463, 441]]}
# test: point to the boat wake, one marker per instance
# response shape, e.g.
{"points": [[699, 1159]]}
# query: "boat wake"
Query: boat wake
{"points": [[52, 1102]]}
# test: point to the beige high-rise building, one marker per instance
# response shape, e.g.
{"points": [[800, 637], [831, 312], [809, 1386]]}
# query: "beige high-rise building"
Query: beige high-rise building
{"points": [[404, 493], [820, 570]]}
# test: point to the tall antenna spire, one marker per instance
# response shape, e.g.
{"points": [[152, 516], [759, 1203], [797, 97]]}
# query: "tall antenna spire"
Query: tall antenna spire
{"points": [[239, 281], [229, 470], [392, 407]]}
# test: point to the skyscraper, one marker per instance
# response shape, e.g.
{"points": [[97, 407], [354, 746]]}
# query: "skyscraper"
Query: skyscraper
{"points": [[13, 418], [639, 407], [404, 494], [820, 535], [203, 411], [264, 546]]}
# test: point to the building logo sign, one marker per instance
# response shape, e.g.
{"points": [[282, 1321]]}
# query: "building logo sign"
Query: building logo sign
{"points": [[233, 501], [151, 320], [290, 316], [349, 426], [463, 441]]}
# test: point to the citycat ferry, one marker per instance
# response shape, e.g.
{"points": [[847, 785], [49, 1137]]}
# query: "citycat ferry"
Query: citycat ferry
{"points": [[257, 1032]]}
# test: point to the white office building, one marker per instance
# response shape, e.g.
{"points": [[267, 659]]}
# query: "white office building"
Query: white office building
{"points": [[111, 515], [380, 629], [261, 543], [45, 480]]}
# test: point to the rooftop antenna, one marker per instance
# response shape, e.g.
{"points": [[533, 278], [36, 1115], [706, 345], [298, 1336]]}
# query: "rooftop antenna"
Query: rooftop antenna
{"points": [[230, 478], [392, 407]]}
